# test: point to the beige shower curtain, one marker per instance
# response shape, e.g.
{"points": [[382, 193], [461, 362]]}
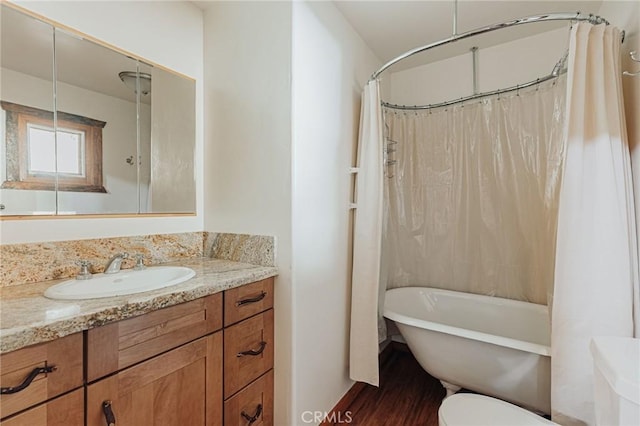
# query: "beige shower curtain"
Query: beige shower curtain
{"points": [[365, 286], [596, 274], [472, 206]]}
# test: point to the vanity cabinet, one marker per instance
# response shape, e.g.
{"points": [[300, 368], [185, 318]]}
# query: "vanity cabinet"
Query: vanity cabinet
{"points": [[118, 345], [248, 355], [180, 387], [205, 362], [66, 410], [248, 351], [253, 405], [38, 373], [166, 371]]}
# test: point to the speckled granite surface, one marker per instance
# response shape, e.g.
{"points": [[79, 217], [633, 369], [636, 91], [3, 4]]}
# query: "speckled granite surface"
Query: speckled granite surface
{"points": [[35, 262], [27, 317], [255, 249]]}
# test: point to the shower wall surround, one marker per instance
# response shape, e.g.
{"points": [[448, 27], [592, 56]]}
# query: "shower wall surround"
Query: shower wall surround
{"points": [[35, 262]]}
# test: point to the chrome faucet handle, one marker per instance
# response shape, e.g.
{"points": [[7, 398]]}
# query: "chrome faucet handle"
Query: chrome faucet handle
{"points": [[139, 262], [113, 265], [85, 273]]}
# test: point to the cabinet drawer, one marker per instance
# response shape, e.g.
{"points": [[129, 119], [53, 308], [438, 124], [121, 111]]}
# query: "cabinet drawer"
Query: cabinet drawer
{"points": [[67, 410], [248, 351], [65, 354], [247, 300], [182, 387], [253, 405], [116, 346]]}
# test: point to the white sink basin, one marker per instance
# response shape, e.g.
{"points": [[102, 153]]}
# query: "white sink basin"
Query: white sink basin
{"points": [[120, 284]]}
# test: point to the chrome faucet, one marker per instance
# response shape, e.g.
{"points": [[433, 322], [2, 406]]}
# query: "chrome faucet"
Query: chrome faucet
{"points": [[114, 264]]}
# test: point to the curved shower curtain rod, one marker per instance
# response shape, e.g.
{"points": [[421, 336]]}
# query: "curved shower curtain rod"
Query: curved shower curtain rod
{"points": [[575, 17], [558, 70]]}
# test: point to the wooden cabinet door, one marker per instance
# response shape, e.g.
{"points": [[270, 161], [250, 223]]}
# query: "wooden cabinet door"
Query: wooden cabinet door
{"points": [[180, 387], [64, 358], [121, 344], [66, 410]]}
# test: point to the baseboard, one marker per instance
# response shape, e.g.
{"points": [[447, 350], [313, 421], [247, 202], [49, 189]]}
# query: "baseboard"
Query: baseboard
{"points": [[344, 403], [350, 396]]}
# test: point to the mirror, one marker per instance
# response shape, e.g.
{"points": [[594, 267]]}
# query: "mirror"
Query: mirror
{"points": [[172, 175], [92, 91], [120, 138], [26, 61]]}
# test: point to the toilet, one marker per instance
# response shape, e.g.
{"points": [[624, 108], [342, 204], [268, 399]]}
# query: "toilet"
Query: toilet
{"points": [[616, 387], [470, 409], [616, 380]]}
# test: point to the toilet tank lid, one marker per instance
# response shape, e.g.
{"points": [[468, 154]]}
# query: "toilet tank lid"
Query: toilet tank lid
{"points": [[618, 358]]}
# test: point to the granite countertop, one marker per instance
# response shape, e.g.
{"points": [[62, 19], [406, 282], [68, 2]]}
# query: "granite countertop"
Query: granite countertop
{"points": [[27, 317]]}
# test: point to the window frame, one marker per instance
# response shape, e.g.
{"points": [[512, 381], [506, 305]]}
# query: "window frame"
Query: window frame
{"points": [[17, 119]]}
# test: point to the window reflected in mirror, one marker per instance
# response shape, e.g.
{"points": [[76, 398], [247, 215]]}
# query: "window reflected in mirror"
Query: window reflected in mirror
{"points": [[36, 151]]}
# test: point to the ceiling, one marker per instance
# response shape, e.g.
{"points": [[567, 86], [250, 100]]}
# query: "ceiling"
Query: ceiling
{"points": [[391, 28]]}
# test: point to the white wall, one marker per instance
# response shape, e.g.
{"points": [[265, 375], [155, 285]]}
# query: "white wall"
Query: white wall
{"points": [[167, 33], [247, 53], [331, 65], [499, 66], [282, 93], [503, 65]]}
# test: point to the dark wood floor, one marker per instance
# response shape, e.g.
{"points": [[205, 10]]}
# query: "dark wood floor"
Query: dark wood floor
{"points": [[407, 396]]}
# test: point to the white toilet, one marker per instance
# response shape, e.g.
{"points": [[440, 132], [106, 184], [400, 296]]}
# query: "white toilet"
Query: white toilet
{"points": [[616, 384], [616, 380], [469, 409]]}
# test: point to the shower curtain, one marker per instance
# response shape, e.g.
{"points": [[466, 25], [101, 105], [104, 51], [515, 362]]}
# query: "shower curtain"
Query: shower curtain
{"points": [[365, 282], [596, 275], [472, 204], [522, 196]]}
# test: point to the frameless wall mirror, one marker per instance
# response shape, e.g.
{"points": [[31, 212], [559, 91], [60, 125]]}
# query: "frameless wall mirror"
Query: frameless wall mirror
{"points": [[85, 129], [26, 84]]}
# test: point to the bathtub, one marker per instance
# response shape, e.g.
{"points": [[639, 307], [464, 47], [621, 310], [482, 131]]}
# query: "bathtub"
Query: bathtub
{"points": [[498, 347]]}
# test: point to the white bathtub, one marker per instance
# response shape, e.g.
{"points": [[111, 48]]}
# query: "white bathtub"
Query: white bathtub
{"points": [[498, 347]]}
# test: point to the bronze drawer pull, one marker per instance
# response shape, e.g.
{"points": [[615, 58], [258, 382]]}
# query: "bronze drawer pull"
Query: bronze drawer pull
{"points": [[251, 300], [108, 413], [253, 418], [27, 381], [252, 352]]}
